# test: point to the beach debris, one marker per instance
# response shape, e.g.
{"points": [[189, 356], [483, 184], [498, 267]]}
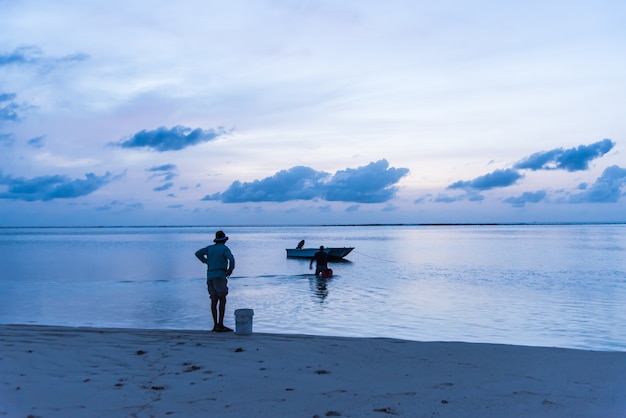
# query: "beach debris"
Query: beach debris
{"points": [[387, 410], [192, 369]]}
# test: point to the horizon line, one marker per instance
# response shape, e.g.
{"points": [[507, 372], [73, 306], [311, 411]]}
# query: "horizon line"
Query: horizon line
{"points": [[565, 223]]}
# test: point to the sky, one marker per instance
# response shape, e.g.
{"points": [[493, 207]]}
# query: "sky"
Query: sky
{"points": [[275, 112]]}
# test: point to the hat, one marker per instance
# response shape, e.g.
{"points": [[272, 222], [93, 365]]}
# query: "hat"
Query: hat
{"points": [[220, 236]]}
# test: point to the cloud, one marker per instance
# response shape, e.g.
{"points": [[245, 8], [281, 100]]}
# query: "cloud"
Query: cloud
{"points": [[46, 188], [471, 196], [164, 167], [163, 187], [325, 209], [174, 139], [36, 142], [526, 197], [573, 159], [606, 189], [119, 205], [32, 55], [372, 183], [423, 199], [498, 178], [297, 183], [8, 111], [21, 55], [167, 171], [446, 198], [475, 197]]}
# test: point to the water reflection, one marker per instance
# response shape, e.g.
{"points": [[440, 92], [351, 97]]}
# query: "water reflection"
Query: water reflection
{"points": [[319, 287], [531, 285]]}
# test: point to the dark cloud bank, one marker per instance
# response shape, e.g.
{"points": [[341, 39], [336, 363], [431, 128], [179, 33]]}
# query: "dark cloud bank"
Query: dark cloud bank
{"points": [[573, 159], [46, 188], [373, 183], [607, 187]]}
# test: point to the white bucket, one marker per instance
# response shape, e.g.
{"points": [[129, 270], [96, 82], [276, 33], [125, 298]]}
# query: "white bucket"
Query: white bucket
{"points": [[243, 321]]}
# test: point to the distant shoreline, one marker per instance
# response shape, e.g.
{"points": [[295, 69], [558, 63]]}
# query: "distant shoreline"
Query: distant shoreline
{"points": [[315, 225]]}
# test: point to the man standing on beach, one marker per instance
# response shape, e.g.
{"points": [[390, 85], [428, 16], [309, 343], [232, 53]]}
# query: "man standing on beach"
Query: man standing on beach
{"points": [[321, 261], [220, 265]]}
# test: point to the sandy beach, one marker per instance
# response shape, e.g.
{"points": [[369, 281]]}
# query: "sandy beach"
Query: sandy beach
{"points": [[51, 371]]}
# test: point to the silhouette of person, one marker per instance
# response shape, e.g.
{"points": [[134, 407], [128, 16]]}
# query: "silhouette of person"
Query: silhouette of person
{"points": [[321, 260], [220, 265]]}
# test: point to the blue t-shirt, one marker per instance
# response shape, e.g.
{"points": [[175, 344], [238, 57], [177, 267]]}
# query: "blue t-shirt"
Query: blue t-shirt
{"points": [[219, 260]]}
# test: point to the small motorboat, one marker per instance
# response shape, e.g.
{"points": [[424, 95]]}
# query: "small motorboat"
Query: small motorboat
{"points": [[333, 252]]}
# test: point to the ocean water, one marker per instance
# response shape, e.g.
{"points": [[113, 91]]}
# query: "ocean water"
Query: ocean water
{"points": [[540, 285]]}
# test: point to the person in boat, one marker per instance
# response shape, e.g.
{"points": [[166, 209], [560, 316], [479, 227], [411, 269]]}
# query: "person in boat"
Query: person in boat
{"points": [[321, 260], [220, 265]]}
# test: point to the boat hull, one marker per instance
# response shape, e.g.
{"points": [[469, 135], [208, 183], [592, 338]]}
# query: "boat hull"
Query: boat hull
{"points": [[333, 252]]}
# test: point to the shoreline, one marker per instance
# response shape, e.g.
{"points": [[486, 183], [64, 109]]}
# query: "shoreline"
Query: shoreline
{"points": [[56, 371]]}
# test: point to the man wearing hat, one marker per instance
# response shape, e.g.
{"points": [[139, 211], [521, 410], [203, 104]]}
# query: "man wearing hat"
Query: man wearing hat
{"points": [[220, 265]]}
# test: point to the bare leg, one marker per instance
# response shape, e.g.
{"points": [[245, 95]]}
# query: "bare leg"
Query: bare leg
{"points": [[222, 310], [219, 326], [214, 312]]}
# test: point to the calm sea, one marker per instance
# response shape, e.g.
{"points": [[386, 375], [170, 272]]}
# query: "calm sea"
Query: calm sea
{"points": [[542, 285]]}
